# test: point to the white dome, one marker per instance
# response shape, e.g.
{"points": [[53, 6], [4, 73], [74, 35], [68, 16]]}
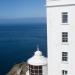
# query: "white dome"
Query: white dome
{"points": [[37, 59]]}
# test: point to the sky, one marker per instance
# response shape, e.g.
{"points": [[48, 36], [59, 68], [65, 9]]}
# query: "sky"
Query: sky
{"points": [[12, 9]]}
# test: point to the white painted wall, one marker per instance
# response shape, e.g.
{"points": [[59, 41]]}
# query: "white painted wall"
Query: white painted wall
{"points": [[45, 69], [54, 39]]}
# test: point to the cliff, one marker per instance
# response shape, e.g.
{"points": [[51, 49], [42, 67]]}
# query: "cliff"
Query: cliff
{"points": [[19, 69]]}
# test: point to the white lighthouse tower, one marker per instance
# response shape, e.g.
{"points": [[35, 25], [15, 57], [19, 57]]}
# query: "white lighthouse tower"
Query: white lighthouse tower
{"points": [[37, 64], [61, 37]]}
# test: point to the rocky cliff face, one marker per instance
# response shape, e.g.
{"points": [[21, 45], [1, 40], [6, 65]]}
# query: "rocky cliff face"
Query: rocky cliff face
{"points": [[19, 69]]}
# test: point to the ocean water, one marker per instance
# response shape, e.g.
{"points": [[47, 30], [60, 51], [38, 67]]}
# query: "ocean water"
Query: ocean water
{"points": [[18, 43]]}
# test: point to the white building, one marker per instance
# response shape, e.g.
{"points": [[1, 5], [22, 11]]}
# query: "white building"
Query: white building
{"points": [[37, 64], [61, 37]]}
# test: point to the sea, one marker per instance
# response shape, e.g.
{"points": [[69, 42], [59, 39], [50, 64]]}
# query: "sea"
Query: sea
{"points": [[18, 43]]}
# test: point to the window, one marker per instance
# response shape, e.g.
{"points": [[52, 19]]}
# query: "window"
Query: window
{"points": [[64, 72], [64, 17], [35, 70], [64, 56], [64, 36]]}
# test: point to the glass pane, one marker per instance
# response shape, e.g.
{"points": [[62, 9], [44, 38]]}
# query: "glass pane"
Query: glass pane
{"points": [[36, 74], [32, 66], [40, 74], [40, 67], [64, 53], [36, 71], [32, 74], [36, 67], [40, 71], [64, 36], [64, 58], [64, 17], [32, 71], [64, 72]]}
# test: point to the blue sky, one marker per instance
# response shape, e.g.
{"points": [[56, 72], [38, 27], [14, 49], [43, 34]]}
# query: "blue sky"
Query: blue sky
{"points": [[12, 9]]}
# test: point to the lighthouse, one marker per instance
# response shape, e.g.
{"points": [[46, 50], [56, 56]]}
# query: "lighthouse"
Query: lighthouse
{"points": [[61, 37], [37, 64]]}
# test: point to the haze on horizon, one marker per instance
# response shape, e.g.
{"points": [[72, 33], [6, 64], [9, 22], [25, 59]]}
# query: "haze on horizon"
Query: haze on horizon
{"points": [[18, 9]]}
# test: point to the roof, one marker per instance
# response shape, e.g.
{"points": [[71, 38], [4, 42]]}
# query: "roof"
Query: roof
{"points": [[37, 59]]}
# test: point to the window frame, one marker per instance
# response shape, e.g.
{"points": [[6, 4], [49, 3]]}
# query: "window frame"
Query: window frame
{"points": [[35, 70], [64, 72], [64, 56], [64, 37], [64, 17]]}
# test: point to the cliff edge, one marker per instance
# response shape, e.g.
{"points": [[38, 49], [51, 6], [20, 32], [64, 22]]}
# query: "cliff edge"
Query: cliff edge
{"points": [[19, 69]]}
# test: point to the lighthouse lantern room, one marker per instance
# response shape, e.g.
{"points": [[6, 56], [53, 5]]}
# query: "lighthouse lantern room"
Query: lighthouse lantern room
{"points": [[37, 64]]}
